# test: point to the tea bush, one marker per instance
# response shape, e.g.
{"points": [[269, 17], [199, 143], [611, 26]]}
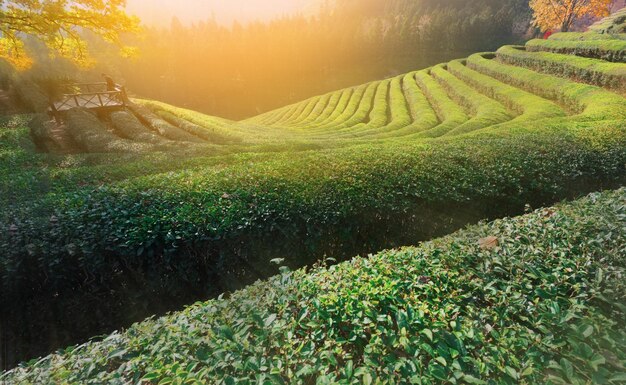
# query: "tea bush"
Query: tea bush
{"points": [[542, 302]]}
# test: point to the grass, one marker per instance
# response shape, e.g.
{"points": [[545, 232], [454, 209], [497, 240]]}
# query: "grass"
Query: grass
{"points": [[543, 304]]}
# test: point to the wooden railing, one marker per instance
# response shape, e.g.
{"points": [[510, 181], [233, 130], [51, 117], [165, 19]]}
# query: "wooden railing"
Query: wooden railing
{"points": [[91, 96]]}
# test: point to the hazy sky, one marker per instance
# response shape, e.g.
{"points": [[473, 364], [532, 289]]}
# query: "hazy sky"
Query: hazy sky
{"points": [[161, 12]]}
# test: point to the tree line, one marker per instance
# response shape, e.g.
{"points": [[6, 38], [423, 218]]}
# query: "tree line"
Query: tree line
{"points": [[242, 70]]}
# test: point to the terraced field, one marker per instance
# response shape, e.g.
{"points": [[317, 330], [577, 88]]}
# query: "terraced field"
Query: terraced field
{"points": [[570, 76], [532, 308], [173, 201]]}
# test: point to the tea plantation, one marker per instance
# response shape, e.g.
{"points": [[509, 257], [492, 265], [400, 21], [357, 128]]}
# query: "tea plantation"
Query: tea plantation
{"points": [[162, 200], [544, 304]]}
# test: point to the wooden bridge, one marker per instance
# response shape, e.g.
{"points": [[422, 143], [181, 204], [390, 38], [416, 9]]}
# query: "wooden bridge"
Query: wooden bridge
{"points": [[91, 96]]}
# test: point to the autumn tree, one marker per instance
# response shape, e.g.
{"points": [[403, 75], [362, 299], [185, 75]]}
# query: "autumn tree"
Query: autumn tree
{"points": [[60, 25], [549, 14]]}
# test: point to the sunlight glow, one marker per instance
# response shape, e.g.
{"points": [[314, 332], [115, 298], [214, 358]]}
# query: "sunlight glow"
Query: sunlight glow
{"points": [[161, 12]]}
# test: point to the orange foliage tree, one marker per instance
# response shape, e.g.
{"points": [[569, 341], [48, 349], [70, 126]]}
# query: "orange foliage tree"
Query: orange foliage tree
{"points": [[59, 24], [549, 14]]}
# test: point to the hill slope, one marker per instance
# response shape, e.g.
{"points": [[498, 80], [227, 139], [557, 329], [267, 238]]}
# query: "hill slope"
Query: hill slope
{"points": [[158, 204], [541, 301]]}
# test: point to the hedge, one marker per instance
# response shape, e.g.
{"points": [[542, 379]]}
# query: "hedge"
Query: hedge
{"points": [[590, 71], [340, 108], [542, 301], [160, 126], [611, 50], [450, 114], [130, 127], [378, 116], [485, 111], [222, 219], [528, 106], [92, 135], [398, 112], [351, 107], [587, 101]]}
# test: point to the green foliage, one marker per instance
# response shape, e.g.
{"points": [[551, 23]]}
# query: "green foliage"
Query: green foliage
{"points": [[528, 106], [485, 111], [360, 106], [148, 221], [209, 128], [378, 114], [194, 202], [250, 68], [164, 128], [582, 36], [615, 24], [450, 114], [591, 71], [398, 113], [91, 135], [339, 109], [544, 305], [130, 127], [611, 49], [587, 101]]}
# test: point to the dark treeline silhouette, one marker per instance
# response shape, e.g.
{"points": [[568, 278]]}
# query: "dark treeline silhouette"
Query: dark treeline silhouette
{"points": [[242, 70]]}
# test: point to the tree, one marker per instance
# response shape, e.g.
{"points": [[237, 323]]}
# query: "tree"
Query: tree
{"points": [[549, 14], [59, 24]]}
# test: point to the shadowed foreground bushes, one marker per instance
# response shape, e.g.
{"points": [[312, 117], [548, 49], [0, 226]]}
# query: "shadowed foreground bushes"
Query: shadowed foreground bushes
{"points": [[541, 302]]}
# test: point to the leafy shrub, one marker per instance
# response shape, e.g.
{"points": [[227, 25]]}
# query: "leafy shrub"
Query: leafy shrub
{"points": [[91, 134], [30, 95], [591, 71], [610, 50], [339, 107], [613, 24], [377, 116], [396, 111], [528, 106], [360, 104], [220, 220], [485, 111], [542, 302], [130, 127], [162, 127], [582, 36], [587, 101], [450, 114]]}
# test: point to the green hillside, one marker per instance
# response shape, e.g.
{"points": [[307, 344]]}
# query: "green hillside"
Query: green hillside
{"points": [[169, 200], [543, 302]]}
